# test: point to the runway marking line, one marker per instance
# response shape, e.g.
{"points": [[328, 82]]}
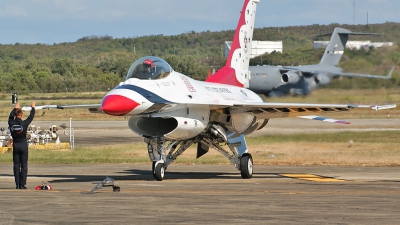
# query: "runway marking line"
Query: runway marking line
{"points": [[311, 177]]}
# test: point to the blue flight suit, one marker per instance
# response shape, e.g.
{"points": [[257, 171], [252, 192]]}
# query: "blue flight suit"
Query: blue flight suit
{"points": [[18, 130]]}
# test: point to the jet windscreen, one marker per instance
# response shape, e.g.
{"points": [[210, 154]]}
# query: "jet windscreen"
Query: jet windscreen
{"points": [[149, 68]]}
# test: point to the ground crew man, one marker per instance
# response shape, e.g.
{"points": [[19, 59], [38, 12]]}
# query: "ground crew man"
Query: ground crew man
{"points": [[18, 128]]}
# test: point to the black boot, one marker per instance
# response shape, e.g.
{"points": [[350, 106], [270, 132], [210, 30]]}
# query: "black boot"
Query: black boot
{"points": [[22, 187], [17, 187]]}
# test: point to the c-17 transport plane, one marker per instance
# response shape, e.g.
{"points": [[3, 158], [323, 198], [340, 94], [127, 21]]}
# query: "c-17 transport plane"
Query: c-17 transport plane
{"points": [[278, 81], [173, 111]]}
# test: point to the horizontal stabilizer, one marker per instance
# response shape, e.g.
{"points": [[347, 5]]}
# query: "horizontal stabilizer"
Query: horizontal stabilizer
{"points": [[324, 119], [344, 31], [359, 33]]}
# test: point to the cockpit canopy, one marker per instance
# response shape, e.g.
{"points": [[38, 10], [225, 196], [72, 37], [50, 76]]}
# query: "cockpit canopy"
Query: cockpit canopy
{"points": [[149, 68]]}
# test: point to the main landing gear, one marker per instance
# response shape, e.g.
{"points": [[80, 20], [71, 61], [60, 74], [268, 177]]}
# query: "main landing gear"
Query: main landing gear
{"points": [[246, 166], [158, 170], [164, 152]]}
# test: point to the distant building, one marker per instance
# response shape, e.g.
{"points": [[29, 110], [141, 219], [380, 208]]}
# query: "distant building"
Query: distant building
{"points": [[258, 47], [355, 44]]}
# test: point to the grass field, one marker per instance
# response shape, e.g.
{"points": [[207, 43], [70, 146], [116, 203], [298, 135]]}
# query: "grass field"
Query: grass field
{"points": [[375, 148]]}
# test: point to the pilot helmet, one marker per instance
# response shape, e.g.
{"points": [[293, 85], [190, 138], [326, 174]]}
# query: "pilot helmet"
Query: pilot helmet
{"points": [[148, 65]]}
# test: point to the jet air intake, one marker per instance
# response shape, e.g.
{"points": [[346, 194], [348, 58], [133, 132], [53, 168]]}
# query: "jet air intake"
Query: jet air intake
{"points": [[290, 77], [171, 128], [181, 124]]}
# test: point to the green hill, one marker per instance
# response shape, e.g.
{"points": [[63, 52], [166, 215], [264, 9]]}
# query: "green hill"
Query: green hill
{"points": [[98, 63]]}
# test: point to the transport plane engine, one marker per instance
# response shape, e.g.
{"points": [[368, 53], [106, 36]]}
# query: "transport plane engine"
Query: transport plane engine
{"points": [[291, 77], [322, 79]]}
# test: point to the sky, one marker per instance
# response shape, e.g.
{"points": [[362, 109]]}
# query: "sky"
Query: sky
{"points": [[57, 21]]}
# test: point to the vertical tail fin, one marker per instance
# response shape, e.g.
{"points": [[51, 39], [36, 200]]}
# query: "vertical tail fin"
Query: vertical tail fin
{"points": [[236, 70], [335, 49]]}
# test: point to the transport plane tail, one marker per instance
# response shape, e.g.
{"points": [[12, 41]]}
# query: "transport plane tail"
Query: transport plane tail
{"points": [[335, 49]]}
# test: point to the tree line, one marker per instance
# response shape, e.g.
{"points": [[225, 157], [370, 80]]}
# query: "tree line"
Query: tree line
{"points": [[99, 63]]}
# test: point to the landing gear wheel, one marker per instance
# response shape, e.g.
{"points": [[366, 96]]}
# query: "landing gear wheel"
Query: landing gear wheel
{"points": [[153, 165], [158, 171], [246, 166]]}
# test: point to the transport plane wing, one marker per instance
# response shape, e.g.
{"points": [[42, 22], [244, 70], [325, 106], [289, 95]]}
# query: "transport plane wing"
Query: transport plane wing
{"points": [[336, 74], [172, 111]]}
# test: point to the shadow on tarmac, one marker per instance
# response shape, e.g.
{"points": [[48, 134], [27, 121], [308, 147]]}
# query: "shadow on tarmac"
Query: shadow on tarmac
{"points": [[146, 175]]}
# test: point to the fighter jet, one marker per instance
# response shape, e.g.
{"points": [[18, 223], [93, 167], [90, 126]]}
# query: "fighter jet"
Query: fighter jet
{"points": [[278, 81], [172, 111]]}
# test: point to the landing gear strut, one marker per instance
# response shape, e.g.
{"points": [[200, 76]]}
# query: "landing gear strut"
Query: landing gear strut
{"points": [[158, 149], [163, 152]]}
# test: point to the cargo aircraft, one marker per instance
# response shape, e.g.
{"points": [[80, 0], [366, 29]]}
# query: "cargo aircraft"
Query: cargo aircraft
{"points": [[173, 111], [279, 81]]}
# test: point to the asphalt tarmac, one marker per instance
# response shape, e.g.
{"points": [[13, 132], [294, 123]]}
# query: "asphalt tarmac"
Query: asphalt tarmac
{"points": [[202, 194]]}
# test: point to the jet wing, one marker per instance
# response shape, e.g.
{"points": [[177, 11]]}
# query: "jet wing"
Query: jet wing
{"points": [[269, 110], [80, 106], [264, 110], [388, 76], [91, 107]]}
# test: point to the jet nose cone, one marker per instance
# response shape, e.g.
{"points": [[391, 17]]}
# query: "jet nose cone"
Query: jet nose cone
{"points": [[118, 105]]}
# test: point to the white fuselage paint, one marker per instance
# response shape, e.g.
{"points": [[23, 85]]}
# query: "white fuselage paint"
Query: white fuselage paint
{"points": [[182, 90]]}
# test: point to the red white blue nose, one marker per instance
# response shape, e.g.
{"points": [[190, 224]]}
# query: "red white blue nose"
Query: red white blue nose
{"points": [[118, 105]]}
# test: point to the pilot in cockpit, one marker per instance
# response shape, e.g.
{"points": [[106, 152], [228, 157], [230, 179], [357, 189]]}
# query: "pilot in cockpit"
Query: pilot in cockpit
{"points": [[148, 67]]}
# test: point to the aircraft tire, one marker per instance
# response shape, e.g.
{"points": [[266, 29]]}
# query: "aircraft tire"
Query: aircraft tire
{"points": [[158, 171], [153, 165], [246, 166]]}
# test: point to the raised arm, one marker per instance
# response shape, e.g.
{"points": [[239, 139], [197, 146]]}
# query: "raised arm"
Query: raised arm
{"points": [[32, 114], [12, 113]]}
